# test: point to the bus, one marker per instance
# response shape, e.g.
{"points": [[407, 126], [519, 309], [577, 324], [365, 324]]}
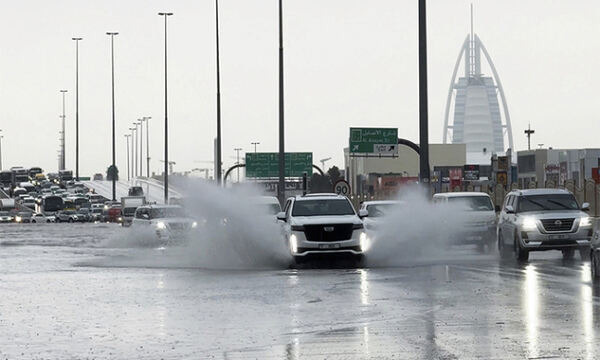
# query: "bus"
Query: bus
{"points": [[51, 204], [34, 171], [5, 178], [19, 175]]}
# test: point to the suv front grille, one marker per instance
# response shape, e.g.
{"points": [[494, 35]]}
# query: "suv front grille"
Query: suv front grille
{"points": [[554, 225], [333, 232]]}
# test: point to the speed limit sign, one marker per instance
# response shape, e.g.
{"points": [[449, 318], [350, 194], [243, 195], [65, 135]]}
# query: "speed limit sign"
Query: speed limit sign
{"points": [[341, 187]]}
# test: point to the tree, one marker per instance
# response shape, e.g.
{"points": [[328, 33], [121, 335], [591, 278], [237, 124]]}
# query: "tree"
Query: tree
{"points": [[334, 174]]}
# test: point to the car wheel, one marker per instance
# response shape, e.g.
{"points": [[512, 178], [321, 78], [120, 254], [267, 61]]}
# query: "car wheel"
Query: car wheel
{"points": [[33, 221], [70, 220], [568, 254], [520, 253], [584, 254], [593, 265], [502, 249]]}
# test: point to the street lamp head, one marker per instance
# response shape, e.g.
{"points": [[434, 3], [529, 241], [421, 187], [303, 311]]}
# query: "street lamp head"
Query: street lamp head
{"points": [[112, 33], [63, 91], [76, 38], [165, 13]]}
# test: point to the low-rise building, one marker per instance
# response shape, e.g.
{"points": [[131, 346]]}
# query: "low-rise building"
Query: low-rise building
{"points": [[557, 165]]}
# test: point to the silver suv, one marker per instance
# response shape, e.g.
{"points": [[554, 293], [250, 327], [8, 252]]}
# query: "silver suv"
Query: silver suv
{"points": [[543, 219]]}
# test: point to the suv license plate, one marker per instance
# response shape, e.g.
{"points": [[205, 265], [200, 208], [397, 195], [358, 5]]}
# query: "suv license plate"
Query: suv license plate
{"points": [[329, 246], [557, 237]]}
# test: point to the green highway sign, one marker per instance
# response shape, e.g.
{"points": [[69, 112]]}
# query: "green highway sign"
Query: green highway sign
{"points": [[374, 141], [266, 165]]}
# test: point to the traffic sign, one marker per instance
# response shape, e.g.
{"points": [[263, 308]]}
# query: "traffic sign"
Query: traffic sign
{"points": [[502, 178], [471, 172], [374, 141], [341, 187], [266, 165]]}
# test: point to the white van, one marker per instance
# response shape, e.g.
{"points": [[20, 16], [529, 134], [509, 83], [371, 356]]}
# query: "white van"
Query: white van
{"points": [[479, 224]]}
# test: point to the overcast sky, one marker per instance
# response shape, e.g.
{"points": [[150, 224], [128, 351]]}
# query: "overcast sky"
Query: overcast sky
{"points": [[347, 63]]}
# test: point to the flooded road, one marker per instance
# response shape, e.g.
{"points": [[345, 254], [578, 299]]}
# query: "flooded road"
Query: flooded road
{"points": [[71, 291]]}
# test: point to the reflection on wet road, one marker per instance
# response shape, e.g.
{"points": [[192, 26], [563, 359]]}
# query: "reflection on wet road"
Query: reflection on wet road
{"points": [[83, 300]]}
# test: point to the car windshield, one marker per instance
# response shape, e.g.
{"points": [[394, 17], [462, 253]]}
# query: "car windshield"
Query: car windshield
{"points": [[157, 213], [322, 207], [378, 210], [547, 202], [473, 203]]}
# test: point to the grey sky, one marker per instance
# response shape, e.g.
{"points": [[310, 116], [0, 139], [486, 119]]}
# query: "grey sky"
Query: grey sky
{"points": [[347, 63]]}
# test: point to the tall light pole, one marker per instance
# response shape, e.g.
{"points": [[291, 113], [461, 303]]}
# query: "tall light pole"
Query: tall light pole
{"points": [[132, 130], [76, 39], [166, 181], [114, 167], [141, 146], [281, 186], [135, 151], [254, 144], [1, 137], [147, 146], [62, 143], [423, 111], [127, 136], [218, 159], [237, 150]]}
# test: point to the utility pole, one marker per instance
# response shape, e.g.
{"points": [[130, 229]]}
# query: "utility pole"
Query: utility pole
{"points": [[281, 183], [147, 146], [423, 111], [237, 150], [76, 39], [114, 160], [528, 133], [62, 143], [128, 168], [135, 151], [218, 150], [132, 133], [166, 176], [141, 146]]}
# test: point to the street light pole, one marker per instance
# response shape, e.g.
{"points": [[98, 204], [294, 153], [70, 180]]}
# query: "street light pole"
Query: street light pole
{"points": [[166, 180], [135, 151], [127, 141], [423, 111], [237, 150], [281, 186], [141, 146], [218, 165], [255, 143], [62, 145], [114, 168], [147, 146], [132, 130], [76, 39]]}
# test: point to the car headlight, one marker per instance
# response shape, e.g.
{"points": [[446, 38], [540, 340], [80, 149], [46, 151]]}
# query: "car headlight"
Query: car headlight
{"points": [[529, 224], [585, 221], [161, 225], [293, 244], [365, 242], [194, 225], [18, 219]]}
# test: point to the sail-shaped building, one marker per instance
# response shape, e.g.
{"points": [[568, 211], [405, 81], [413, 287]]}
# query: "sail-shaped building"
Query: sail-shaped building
{"points": [[477, 120]]}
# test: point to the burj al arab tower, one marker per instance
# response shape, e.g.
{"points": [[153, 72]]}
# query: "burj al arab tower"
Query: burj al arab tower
{"points": [[477, 120]]}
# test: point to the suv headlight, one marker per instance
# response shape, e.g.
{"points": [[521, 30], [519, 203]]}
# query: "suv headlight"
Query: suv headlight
{"points": [[293, 244], [194, 225], [18, 219], [161, 225], [585, 221], [365, 242], [529, 224]]}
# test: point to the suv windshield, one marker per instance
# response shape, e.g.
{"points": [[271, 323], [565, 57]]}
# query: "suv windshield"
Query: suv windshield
{"points": [[547, 202], [322, 207], [157, 213], [473, 203]]}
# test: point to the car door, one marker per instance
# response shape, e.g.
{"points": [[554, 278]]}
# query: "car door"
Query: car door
{"points": [[504, 218]]}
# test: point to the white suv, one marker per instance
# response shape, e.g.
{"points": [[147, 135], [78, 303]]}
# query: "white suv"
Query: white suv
{"points": [[323, 224], [168, 222], [543, 219]]}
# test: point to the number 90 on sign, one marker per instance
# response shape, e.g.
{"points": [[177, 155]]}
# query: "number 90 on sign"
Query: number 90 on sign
{"points": [[341, 187]]}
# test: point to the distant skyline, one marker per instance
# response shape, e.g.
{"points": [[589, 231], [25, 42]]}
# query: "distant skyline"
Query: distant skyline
{"points": [[347, 63]]}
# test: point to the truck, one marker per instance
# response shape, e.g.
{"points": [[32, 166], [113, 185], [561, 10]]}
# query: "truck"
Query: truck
{"points": [[7, 204], [6, 179], [129, 205], [19, 175]]}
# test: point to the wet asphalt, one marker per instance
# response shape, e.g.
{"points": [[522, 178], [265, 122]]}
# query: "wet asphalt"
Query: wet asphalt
{"points": [[66, 292]]}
